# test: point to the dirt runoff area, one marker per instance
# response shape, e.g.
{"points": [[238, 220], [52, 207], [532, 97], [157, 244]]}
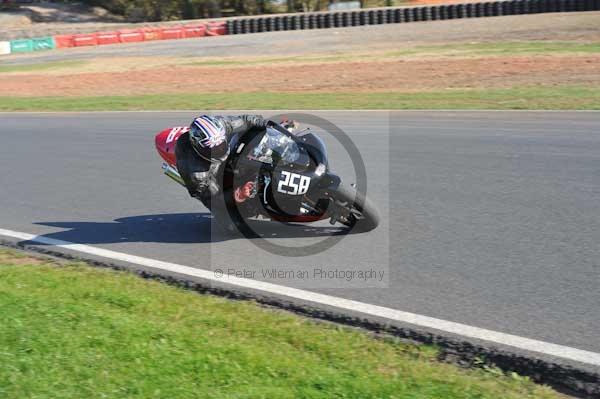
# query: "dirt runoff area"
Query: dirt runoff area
{"points": [[567, 54], [406, 75]]}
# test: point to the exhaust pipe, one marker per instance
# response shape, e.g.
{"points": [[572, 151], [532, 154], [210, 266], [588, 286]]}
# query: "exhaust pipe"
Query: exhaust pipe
{"points": [[173, 173]]}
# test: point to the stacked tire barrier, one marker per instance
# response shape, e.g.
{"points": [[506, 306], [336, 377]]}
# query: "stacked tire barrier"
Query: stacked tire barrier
{"points": [[152, 34], [194, 31], [114, 37], [172, 33], [217, 28], [63, 41], [338, 19], [304, 21], [107, 38]]}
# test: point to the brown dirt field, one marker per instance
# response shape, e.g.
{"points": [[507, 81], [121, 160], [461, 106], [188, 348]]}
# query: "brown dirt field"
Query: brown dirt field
{"points": [[408, 75]]}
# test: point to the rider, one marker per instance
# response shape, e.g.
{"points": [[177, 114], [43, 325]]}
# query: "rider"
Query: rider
{"points": [[201, 151]]}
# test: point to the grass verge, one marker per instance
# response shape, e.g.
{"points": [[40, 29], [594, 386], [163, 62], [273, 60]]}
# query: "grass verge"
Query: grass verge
{"points": [[537, 47], [45, 66], [482, 49], [560, 98], [73, 331]]}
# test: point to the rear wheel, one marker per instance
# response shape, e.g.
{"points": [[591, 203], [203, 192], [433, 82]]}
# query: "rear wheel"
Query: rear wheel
{"points": [[355, 210]]}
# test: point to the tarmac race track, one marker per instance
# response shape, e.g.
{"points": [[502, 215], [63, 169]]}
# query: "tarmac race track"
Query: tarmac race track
{"points": [[490, 219]]}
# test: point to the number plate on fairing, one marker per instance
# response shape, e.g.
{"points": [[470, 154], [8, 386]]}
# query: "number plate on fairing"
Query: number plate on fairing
{"points": [[293, 183]]}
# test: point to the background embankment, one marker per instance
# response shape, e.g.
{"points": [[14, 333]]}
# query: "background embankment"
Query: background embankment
{"points": [[516, 62]]}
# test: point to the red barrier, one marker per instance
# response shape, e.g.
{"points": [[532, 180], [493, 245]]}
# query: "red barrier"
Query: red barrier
{"points": [[139, 35], [152, 34], [216, 28], [63, 41], [107, 37], [172, 32], [88, 39], [194, 30], [131, 35]]}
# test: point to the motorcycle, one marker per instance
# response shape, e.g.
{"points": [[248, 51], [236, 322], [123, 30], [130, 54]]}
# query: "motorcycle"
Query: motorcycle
{"points": [[282, 175]]}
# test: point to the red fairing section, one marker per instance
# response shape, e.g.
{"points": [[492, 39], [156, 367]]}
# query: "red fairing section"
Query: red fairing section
{"points": [[299, 218], [165, 143]]}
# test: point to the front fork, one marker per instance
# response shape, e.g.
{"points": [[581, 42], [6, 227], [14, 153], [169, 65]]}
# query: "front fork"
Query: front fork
{"points": [[336, 210]]}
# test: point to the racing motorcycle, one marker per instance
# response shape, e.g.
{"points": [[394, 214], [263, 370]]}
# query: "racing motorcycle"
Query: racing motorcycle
{"points": [[282, 175]]}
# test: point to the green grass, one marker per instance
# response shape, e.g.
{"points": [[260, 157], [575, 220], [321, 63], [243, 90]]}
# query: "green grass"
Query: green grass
{"points": [[561, 97], [73, 331], [541, 47], [45, 66], [276, 60]]}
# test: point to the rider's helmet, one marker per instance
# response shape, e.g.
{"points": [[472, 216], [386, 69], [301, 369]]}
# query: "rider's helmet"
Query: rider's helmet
{"points": [[208, 137]]}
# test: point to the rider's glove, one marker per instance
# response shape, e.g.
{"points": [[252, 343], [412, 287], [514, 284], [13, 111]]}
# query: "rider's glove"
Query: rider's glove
{"points": [[289, 124], [205, 183]]}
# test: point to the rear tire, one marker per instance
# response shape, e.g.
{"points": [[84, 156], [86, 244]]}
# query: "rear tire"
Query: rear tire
{"points": [[364, 216]]}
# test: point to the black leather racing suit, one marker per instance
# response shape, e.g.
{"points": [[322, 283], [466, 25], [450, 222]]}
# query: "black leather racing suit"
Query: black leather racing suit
{"points": [[200, 175]]}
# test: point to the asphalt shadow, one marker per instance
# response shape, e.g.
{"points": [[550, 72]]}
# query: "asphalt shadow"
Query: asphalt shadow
{"points": [[176, 228]]}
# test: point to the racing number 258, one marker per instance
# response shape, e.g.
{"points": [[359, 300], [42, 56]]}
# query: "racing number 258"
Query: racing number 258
{"points": [[293, 183]]}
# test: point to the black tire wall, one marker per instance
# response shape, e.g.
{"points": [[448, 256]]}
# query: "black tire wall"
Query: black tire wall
{"points": [[342, 19]]}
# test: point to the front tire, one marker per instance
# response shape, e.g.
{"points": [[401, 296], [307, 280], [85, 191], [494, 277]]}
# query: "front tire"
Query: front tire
{"points": [[361, 214]]}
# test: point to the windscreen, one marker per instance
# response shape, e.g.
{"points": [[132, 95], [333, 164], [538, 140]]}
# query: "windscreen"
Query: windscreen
{"points": [[275, 145]]}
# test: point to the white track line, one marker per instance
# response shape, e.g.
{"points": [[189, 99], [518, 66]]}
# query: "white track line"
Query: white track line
{"points": [[464, 330]]}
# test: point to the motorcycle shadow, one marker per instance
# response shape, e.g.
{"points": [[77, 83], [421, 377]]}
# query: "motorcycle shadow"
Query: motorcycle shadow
{"points": [[178, 228]]}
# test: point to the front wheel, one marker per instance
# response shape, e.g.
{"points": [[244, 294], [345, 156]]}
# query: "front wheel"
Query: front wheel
{"points": [[354, 210]]}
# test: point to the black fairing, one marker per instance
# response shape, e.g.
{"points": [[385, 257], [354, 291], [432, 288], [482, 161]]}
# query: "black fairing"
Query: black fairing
{"points": [[313, 153], [314, 146]]}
